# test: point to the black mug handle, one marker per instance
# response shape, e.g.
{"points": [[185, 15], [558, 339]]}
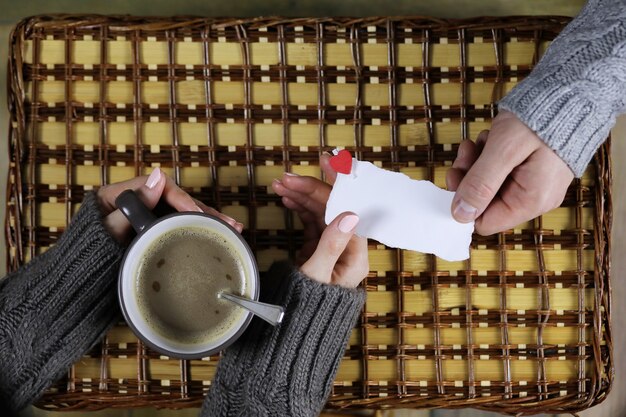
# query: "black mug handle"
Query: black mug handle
{"points": [[135, 210]]}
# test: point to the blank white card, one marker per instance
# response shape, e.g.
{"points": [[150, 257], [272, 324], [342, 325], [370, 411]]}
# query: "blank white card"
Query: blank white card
{"points": [[400, 212]]}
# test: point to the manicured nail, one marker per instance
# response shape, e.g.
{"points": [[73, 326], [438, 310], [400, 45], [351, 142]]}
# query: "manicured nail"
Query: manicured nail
{"points": [[348, 223], [464, 212], [291, 174], [154, 178]]}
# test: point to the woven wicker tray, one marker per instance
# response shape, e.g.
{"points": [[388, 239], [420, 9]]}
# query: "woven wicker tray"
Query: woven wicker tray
{"points": [[224, 106]]}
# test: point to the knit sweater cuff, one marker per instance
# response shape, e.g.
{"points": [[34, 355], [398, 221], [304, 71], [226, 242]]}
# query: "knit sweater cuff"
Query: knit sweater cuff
{"points": [[573, 95], [287, 370], [56, 307], [308, 301], [313, 302], [309, 344], [573, 125]]}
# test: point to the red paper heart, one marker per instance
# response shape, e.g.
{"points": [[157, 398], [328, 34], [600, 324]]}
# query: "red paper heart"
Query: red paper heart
{"points": [[342, 162]]}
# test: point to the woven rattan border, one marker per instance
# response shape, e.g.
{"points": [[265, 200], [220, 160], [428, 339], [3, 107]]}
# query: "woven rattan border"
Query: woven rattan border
{"points": [[22, 189]]}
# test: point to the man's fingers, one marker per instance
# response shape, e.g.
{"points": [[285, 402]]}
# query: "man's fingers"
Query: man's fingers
{"points": [[526, 194], [478, 187], [454, 177], [465, 158], [331, 246], [501, 154], [514, 205], [481, 139], [499, 216], [466, 155]]}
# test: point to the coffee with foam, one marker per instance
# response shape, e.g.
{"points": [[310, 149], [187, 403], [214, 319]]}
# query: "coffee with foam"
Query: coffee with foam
{"points": [[177, 281]]}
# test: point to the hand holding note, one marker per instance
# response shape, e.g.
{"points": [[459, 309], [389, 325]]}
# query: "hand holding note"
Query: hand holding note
{"points": [[398, 211], [330, 254]]}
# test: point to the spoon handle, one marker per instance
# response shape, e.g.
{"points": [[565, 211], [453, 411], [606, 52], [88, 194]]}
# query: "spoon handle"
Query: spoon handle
{"points": [[272, 314]]}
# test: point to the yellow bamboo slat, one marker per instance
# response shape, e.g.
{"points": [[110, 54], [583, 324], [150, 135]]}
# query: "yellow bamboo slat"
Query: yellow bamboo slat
{"points": [[232, 92], [229, 53]]}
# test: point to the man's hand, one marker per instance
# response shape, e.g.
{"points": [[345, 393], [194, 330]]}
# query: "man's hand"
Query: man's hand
{"points": [[507, 177]]}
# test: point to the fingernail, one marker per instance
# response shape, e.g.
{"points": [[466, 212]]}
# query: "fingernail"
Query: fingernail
{"points": [[348, 223], [464, 212], [154, 178], [327, 153], [277, 181], [198, 209], [291, 174]]}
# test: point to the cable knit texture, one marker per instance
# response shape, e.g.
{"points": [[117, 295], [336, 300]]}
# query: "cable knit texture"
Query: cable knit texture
{"points": [[287, 370], [56, 307], [573, 96]]}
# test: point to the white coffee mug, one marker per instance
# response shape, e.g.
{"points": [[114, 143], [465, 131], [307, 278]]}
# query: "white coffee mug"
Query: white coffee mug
{"points": [[149, 228]]}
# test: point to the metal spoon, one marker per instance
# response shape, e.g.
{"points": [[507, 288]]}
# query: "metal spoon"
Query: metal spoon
{"points": [[269, 312]]}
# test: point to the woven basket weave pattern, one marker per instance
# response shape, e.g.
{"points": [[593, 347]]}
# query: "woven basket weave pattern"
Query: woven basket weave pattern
{"points": [[225, 106]]}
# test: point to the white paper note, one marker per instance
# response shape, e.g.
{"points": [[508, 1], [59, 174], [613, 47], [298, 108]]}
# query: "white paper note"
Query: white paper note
{"points": [[400, 212]]}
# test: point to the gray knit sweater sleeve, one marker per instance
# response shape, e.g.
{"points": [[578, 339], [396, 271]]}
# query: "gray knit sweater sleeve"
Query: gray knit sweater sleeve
{"points": [[287, 370], [56, 307], [572, 97]]}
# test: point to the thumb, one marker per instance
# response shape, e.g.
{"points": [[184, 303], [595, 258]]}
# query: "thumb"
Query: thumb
{"points": [[483, 180], [506, 146], [149, 193], [330, 247], [476, 190]]}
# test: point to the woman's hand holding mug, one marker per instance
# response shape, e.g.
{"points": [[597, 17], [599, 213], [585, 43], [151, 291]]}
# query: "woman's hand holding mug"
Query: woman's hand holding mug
{"points": [[150, 189]]}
